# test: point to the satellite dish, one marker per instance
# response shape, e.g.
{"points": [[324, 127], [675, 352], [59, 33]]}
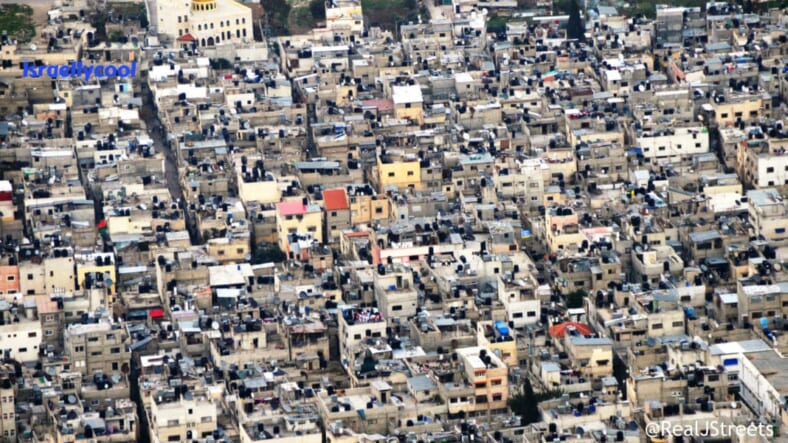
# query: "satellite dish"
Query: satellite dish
{"points": [[215, 325], [72, 399]]}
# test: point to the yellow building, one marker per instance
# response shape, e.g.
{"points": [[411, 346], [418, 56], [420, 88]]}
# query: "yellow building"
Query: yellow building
{"points": [[298, 217], [407, 103], [263, 192], [562, 229], [401, 173], [594, 356], [94, 270], [487, 375], [486, 337], [746, 108], [366, 206], [226, 249]]}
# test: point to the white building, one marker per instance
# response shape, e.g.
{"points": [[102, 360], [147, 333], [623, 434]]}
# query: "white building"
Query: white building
{"points": [[202, 23], [673, 143], [520, 302], [20, 340]]}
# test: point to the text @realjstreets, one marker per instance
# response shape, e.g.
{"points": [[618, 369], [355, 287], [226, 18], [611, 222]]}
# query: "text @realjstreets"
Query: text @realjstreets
{"points": [[711, 428], [77, 69]]}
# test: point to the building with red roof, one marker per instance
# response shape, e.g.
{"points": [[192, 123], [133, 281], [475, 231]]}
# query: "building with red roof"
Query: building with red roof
{"points": [[559, 330], [337, 219], [300, 218]]}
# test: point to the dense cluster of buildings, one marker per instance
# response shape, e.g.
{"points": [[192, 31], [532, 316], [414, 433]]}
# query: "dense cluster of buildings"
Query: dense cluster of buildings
{"points": [[358, 235]]}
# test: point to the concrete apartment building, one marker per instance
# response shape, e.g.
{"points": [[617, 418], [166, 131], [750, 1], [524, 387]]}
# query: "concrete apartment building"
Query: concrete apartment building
{"points": [[99, 347], [182, 419], [762, 161], [7, 406], [768, 215]]}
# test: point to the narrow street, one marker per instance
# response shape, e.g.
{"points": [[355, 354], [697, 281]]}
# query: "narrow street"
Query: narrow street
{"points": [[157, 133], [171, 171]]}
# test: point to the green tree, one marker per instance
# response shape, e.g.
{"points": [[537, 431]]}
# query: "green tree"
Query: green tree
{"points": [[318, 9], [575, 299], [575, 28], [526, 402], [497, 24], [268, 254]]}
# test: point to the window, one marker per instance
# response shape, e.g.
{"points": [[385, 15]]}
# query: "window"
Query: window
{"points": [[115, 351], [410, 173], [779, 231], [29, 276], [378, 210], [49, 333], [531, 314], [334, 213], [496, 382], [713, 377], [396, 308], [391, 174], [22, 349], [357, 337], [678, 324], [770, 169], [497, 397], [656, 326], [32, 334], [11, 278], [480, 385]]}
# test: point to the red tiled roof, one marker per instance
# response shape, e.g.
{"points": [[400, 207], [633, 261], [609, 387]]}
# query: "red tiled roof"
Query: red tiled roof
{"points": [[186, 38], [335, 199], [292, 208], [559, 330], [382, 104]]}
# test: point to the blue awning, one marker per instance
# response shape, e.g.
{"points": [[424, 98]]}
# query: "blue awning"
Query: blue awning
{"points": [[636, 151]]}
